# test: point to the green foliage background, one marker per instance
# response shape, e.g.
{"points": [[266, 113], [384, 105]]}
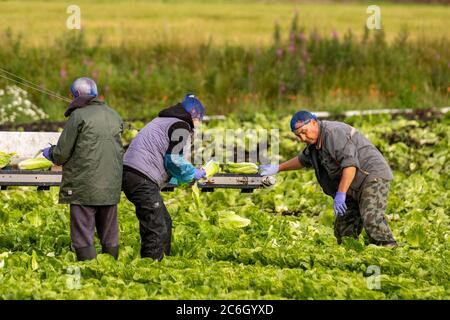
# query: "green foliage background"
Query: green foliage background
{"points": [[239, 57], [299, 69]]}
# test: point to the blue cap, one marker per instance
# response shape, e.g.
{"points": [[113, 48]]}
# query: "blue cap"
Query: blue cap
{"points": [[193, 106], [84, 87], [301, 118]]}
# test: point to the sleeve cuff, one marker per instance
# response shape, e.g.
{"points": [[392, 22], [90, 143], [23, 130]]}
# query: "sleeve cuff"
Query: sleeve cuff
{"points": [[50, 153], [350, 162]]}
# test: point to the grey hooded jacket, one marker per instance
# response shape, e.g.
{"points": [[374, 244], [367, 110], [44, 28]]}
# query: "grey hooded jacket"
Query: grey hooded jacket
{"points": [[146, 152]]}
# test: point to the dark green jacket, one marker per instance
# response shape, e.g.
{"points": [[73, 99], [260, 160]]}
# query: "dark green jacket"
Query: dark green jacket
{"points": [[90, 151]]}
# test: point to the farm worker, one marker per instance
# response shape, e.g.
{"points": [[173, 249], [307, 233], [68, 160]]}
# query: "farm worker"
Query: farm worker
{"points": [[350, 169], [90, 152], [157, 154]]}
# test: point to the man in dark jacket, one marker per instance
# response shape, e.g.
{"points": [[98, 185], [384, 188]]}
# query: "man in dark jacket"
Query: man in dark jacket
{"points": [[155, 156], [350, 169], [90, 152]]}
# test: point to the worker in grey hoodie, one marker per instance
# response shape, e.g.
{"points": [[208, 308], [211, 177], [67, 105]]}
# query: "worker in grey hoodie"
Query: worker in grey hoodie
{"points": [[155, 156]]}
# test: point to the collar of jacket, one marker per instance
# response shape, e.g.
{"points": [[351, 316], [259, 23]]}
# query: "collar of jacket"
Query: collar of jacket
{"points": [[177, 111], [319, 142], [80, 102]]}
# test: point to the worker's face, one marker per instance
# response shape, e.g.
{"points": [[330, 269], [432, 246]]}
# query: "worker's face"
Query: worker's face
{"points": [[196, 122], [308, 133]]}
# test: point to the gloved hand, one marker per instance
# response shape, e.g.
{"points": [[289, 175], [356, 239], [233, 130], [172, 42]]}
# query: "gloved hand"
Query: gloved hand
{"points": [[339, 204], [268, 169], [46, 153], [199, 174]]}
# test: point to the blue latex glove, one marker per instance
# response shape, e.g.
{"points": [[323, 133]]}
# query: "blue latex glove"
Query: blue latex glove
{"points": [[199, 174], [46, 154], [268, 169], [339, 204]]}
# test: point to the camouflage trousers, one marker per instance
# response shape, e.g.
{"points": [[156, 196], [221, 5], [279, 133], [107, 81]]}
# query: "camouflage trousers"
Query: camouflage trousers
{"points": [[368, 212]]}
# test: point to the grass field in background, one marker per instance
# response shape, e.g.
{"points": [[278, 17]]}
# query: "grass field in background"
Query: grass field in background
{"points": [[193, 22], [153, 52]]}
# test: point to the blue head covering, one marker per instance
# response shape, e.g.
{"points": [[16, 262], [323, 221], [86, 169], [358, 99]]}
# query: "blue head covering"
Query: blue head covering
{"points": [[84, 87], [193, 106], [301, 118]]}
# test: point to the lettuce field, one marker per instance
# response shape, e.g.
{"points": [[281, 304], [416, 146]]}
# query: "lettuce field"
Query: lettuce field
{"points": [[288, 251]]}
